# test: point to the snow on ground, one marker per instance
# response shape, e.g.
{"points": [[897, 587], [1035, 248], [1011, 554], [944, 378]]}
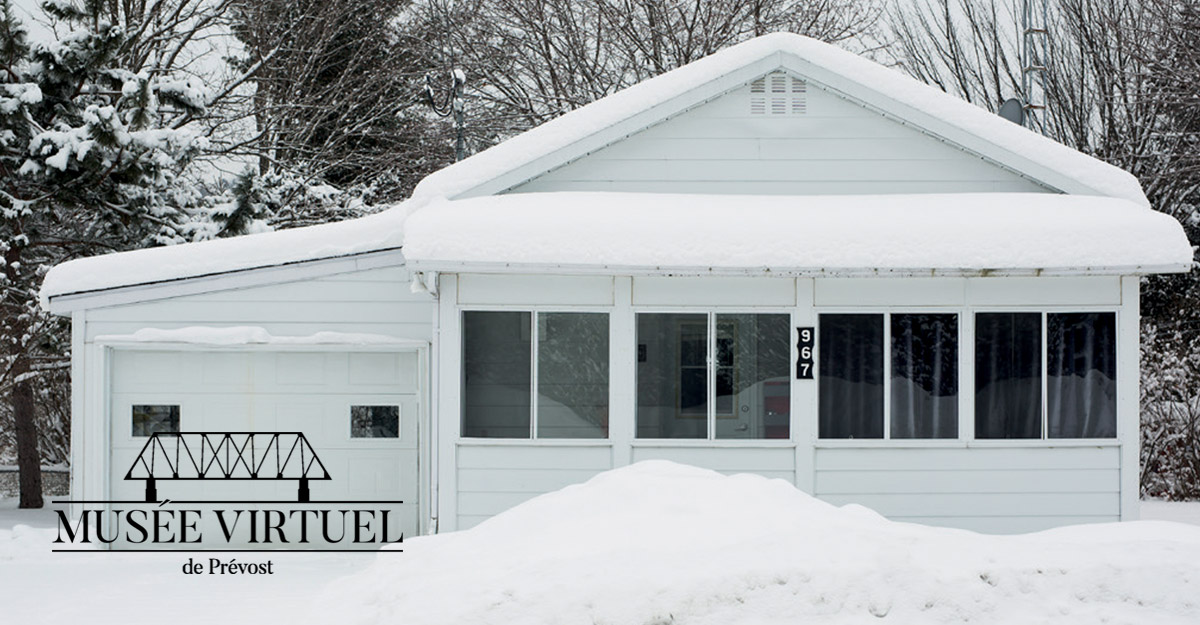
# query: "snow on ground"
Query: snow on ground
{"points": [[105, 588], [654, 543], [1178, 511], [658, 543]]}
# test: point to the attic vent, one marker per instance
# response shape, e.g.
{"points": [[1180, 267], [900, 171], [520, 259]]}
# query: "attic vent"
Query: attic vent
{"points": [[778, 93]]}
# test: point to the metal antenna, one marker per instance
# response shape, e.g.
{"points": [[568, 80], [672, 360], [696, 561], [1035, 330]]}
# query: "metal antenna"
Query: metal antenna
{"points": [[1035, 51], [451, 105]]}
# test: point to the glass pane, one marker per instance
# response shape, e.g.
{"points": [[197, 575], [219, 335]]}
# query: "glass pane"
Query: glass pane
{"points": [[924, 376], [149, 419], [672, 376], [1008, 375], [1081, 376], [850, 372], [572, 375], [753, 376], [496, 374], [374, 421]]}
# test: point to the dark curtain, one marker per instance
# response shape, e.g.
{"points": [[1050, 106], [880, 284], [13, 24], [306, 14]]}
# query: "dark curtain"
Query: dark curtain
{"points": [[1081, 380], [924, 376], [850, 376], [1008, 375]]}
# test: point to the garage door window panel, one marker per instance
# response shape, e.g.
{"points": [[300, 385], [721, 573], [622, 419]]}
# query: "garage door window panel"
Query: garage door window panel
{"points": [[149, 419], [375, 422]]}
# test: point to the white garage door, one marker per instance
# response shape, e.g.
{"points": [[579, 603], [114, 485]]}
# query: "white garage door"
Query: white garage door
{"points": [[359, 412]]}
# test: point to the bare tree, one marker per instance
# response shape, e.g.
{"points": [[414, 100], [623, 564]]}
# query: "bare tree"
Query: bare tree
{"points": [[528, 61], [336, 99]]}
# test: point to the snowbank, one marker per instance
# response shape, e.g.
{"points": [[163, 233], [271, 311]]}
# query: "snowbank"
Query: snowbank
{"points": [[808, 234], [657, 543], [832, 64]]}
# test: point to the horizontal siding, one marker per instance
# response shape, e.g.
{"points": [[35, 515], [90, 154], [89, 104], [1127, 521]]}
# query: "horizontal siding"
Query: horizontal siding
{"points": [[977, 488], [835, 147], [550, 457], [967, 459], [772, 462], [793, 170], [780, 187], [943, 482], [494, 478], [520, 480], [376, 301]]}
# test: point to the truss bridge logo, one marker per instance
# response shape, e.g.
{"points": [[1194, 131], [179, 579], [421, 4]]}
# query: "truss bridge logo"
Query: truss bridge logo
{"points": [[265, 456], [229, 463]]}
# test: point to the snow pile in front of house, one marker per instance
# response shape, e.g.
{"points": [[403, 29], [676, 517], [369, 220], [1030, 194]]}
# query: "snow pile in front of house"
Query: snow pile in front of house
{"points": [[868, 233], [658, 543], [380, 231]]}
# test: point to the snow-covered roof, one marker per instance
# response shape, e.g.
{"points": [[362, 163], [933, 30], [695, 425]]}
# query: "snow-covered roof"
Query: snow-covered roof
{"points": [[381, 231], [888, 90], [444, 234], [800, 235]]}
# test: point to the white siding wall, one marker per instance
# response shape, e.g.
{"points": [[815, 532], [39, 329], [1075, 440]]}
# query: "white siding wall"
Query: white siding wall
{"points": [[1007, 489], [834, 147], [377, 301], [495, 477]]}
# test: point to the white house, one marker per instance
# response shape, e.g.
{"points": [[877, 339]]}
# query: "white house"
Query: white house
{"points": [[781, 259]]}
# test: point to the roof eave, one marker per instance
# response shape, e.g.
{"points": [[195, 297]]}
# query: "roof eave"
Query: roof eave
{"points": [[449, 266]]}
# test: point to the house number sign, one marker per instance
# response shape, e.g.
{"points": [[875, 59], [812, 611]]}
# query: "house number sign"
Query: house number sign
{"points": [[804, 353]]}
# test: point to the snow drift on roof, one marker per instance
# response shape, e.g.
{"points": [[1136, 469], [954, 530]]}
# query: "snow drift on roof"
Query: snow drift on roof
{"points": [[563, 131], [376, 232], [805, 234], [658, 542]]}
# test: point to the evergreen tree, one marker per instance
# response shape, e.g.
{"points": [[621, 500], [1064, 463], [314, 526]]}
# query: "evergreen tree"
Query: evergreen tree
{"points": [[89, 152]]}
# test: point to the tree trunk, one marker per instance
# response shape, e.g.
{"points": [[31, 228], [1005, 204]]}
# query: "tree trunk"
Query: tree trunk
{"points": [[28, 460]]}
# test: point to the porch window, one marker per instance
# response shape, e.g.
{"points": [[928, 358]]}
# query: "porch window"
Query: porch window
{"points": [[708, 375], [1078, 357], [918, 396], [508, 393]]}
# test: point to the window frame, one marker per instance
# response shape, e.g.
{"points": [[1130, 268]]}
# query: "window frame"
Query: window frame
{"points": [[966, 405], [533, 311], [711, 376], [1044, 440]]}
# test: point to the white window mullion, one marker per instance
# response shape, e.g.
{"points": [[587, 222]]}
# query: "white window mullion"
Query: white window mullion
{"points": [[966, 375], [711, 377], [1045, 372], [887, 376], [533, 374]]}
